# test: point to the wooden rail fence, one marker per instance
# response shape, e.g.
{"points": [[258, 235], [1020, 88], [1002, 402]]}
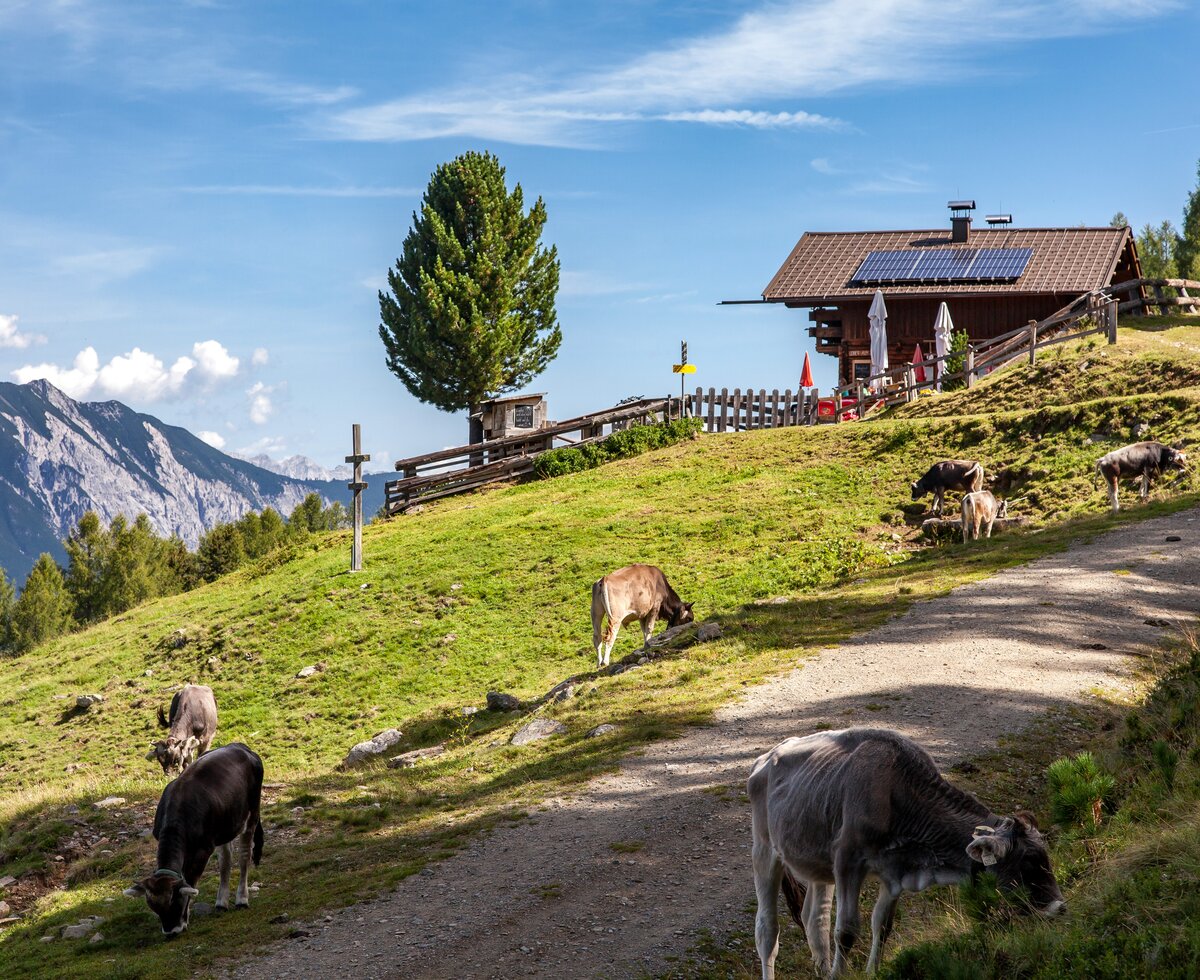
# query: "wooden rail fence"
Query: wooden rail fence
{"points": [[463, 468]]}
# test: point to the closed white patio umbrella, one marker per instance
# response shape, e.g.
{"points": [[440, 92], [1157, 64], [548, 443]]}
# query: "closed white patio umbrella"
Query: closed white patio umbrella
{"points": [[943, 330], [878, 317]]}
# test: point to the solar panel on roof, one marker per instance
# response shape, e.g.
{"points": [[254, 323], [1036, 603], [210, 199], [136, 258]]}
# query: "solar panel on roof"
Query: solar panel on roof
{"points": [[942, 265]]}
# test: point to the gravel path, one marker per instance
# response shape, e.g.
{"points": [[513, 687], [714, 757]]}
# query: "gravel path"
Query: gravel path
{"points": [[954, 673]]}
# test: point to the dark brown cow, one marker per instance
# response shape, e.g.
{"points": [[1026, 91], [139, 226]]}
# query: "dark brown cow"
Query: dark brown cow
{"points": [[1141, 460], [214, 802], [829, 810], [962, 475], [634, 592], [192, 723]]}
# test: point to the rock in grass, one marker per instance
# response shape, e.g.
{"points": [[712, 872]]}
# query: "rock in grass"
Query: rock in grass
{"points": [[97, 937], [4, 907], [372, 747], [85, 701], [307, 671], [498, 701], [600, 730], [561, 692], [77, 931], [6, 881], [407, 760], [708, 632], [537, 729], [109, 802]]}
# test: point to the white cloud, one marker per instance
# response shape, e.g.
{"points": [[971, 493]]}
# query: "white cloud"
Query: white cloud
{"points": [[273, 446], [138, 375], [261, 407], [214, 439], [77, 380], [10, 336], [213, 361], [260, 356], [822, 166], [784, 50]]}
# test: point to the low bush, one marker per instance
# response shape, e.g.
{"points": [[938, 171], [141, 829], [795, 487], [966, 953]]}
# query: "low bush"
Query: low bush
{"points": [[629, 442]]}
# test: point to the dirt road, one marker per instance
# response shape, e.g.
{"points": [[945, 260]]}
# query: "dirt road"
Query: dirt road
{"points": [[552, 898]]}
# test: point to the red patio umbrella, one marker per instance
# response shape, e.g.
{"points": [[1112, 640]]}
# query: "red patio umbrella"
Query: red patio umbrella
{"points": [[806, 380], [919, 371]]}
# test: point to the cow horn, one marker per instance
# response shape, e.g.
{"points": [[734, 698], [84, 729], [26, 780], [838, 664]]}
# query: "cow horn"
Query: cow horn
{"points": [[983, 831], [189, 890]]}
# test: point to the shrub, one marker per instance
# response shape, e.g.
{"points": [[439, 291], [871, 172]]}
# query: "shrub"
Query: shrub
{"points": [[1167, 760], [629, 442], [956, 359], [1079, 789]]}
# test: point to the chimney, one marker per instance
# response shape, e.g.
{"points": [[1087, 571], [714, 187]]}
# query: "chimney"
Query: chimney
{"points": [[960, 220]]}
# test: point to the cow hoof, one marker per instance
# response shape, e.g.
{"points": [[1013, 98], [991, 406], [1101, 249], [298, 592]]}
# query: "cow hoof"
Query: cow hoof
{"points": [[221, 907], [242, 905]]}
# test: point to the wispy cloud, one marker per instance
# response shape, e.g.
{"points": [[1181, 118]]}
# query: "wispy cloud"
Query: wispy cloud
{"points": [[574, 284], [300, 190], [107, 265], [214, 439], [781, 52]]}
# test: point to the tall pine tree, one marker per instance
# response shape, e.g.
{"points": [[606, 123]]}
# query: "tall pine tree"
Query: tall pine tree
{"points": [[471, 306], [1187, 245], [44, 609]]}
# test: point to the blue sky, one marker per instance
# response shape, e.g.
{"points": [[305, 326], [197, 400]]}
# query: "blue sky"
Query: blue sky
{"points": [[199, 200]]}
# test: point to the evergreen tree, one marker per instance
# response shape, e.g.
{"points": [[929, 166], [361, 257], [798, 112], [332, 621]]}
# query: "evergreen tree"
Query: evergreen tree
{"points": [[1118, 220], [309, 515], [44, 609], [1156, 250], [88, 548], [471, 306], [271, 530], [1187, 244], [8, 598], [221, 551]]}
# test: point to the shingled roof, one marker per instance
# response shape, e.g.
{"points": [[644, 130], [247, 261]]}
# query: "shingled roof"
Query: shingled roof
{"points": [[1067, 261]]}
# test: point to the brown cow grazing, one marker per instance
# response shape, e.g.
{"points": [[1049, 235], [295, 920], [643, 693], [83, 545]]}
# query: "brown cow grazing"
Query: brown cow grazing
{"points": [[979, 509], [634, 592], [963, 475], [830, 810], [1142, 459], [192, 723]]}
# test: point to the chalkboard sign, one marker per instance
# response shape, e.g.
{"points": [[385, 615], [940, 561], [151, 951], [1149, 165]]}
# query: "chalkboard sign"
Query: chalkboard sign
{"points": [[523, 417]]}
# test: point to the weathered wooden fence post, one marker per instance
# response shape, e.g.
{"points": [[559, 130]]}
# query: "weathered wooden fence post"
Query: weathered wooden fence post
{"points": [[1110, 312], [358, 486], [970, 367], [1033, 341]]}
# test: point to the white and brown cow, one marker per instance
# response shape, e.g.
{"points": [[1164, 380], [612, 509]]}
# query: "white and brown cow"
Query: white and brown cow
{"points": [[192, 723], [634, 592], [980, 510], [1140, 460], [962, 475], [832, 809]]}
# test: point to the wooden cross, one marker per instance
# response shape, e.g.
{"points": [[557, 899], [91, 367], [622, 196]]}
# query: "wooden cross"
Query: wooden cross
{"points": [[358, 486]]}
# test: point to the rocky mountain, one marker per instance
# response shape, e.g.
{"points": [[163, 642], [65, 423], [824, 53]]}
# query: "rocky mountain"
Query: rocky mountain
{"points": [[300, 467], [60, 458]]}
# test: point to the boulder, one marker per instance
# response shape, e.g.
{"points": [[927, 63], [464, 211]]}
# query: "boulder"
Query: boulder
{"points": [[600, 730], [372, 747], [708, 632], [97, 937], [6, 881], [4, 907], [537, 729], [561, 692], [407, 760], [85, 701], [77, 931], [498, 701]]}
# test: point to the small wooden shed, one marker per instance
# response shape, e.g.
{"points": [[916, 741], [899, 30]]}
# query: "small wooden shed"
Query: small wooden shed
{"points": [[513, 416]]}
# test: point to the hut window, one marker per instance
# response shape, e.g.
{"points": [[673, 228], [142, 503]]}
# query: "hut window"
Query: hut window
{"points": [[523, 417]]}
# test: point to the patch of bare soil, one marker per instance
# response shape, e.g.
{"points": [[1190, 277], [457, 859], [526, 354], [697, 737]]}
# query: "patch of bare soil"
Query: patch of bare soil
{"points": [[612, 882]]}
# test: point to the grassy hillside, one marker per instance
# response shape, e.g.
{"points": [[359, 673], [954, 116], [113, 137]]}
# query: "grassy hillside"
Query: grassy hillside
{"points": [[491, 591]]}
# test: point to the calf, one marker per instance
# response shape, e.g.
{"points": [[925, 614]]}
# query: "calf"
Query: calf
{"points": [[981, 508], [214, 801], [634, 592], [963, 475], [1142, 459], [192, 723], [830, 809]]}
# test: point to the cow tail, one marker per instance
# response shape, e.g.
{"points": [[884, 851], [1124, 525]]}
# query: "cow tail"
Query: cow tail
{"points": [[162, 717], [977, 484], [604, 599], [1096, 476], [256, 854], [793, 893]]}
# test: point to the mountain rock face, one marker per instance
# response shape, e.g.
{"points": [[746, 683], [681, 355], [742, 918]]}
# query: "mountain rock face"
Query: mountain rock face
{"points": [[60, 458], [301, 468]]}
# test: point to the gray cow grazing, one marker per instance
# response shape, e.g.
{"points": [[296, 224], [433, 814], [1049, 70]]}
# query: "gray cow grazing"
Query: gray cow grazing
{"points": [[639, 592], [980, 509], [832, 808], [192, 723], [1140, 460], [962, 475]]}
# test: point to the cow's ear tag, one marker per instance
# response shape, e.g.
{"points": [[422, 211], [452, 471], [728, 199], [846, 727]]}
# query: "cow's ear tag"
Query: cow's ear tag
{"points": [[988, 858]]}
